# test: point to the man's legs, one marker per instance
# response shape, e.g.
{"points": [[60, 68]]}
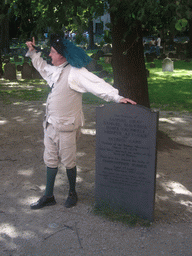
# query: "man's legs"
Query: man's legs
{"points": [[68, 158], [51, 159], [63, 145]]}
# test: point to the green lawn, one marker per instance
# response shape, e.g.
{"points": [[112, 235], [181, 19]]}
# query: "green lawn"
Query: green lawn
{"points": [[171, 90], [167, 90]]}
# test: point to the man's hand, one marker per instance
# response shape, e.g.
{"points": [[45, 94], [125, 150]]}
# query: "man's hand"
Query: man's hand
{"points": [[30, 44], [126, 100]]}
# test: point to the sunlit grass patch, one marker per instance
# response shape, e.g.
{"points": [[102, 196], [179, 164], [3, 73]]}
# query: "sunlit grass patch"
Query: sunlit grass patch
{"points": [[171, 90], [28, 90]]}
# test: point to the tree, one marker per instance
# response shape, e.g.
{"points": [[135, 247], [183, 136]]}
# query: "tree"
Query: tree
{"points": [[184, 18], [128, 17], [4, 31]]}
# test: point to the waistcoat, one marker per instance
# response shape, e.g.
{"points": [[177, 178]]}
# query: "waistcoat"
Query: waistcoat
{"points": [[64, 105]]}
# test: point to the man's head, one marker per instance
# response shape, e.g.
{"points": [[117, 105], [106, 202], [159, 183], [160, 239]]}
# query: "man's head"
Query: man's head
{"points": [[66, 50], [57, 58], [56, 52]]}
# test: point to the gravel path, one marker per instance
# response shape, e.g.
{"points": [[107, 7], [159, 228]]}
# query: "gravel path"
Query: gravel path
{"points": [[59, 231]]}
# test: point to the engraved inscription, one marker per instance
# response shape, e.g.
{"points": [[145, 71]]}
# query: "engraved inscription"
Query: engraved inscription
{"points": [[123, 153]]}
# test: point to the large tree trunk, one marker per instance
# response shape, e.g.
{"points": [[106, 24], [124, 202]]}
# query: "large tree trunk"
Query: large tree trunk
{"points": [[128, 61], [189, 47], [91, 35], [4, 34]]}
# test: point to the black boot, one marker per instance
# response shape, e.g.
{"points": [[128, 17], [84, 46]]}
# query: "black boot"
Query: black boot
{"points": [[48, 199], [42, 202], [71, 200], [72, 197]]}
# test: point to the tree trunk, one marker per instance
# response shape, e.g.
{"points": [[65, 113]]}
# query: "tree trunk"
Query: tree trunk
{"points": [[4, 34], [189, 47], [91, 35], [1, 70], [128, 61]]}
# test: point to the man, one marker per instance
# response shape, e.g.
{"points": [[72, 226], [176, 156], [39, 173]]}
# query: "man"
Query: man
{"points": [[152, 45], [69, 79], [158, 45]]}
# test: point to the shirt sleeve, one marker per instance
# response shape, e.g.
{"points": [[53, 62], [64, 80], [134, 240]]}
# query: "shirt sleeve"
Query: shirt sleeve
{"points": [[82, 80], [39, 64]]}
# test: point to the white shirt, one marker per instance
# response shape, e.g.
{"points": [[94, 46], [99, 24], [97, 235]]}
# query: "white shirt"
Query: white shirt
{"points": [[64, 103], [159, 41]]}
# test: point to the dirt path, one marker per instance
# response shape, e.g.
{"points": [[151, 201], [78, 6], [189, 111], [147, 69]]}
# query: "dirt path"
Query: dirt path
{"points": [[59, 231]]}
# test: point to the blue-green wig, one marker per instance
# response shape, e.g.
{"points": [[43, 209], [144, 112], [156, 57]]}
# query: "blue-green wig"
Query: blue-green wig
{"points": [[76, 56]]}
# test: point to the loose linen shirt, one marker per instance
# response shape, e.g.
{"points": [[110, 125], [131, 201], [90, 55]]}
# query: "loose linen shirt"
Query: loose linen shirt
{"points": [[64, 103]]}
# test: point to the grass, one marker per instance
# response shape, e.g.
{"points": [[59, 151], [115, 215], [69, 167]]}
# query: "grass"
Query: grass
{"points": [[119, 215], [27, 90], [170, 91]]}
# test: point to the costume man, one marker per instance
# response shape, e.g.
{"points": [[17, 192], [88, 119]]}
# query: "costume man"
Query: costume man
{"points": [[69, 79]]}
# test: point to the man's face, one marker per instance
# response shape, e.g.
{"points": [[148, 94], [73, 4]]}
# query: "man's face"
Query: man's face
{"points": [[57, 59]]}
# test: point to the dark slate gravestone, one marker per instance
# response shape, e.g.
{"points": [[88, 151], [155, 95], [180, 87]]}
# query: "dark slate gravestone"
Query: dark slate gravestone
{"points": [[35, 73], [10, 71], [126, 158], [26, 71]]}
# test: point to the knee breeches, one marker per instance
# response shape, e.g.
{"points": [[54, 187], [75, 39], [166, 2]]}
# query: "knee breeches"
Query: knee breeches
{"points": [[59, 146]]}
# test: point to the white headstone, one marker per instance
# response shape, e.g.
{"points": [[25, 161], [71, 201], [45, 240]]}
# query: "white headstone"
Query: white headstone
{"points": [[167, 65]]}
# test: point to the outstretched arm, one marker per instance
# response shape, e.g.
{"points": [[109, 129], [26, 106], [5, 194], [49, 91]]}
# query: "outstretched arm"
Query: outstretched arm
{"points": [[126, 100]]}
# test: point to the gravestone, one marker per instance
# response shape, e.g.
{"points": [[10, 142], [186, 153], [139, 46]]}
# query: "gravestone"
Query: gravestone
{"points": [[126, 158], [26, 71], [35, 73], [108, 58], [92, 65], [19, 68], [107, 48], [103, 74], [167, 65], [97, 55], [10, 71]]}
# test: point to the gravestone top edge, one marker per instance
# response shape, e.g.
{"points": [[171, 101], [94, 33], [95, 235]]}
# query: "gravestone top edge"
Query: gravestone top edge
{"points": [[127, 105], [167, 59]]}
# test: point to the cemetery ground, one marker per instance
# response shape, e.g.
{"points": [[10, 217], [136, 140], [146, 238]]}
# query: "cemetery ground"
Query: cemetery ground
{"points": [[78, 231]]}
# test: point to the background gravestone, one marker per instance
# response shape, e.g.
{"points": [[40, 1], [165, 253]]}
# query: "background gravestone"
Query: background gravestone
{"points": [[126, 158], [10, 71], [35, 73], [167, 65], [26, 71]]}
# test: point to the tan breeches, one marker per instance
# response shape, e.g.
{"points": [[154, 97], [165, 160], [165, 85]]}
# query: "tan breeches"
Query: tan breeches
{"points": [[59, 146]]}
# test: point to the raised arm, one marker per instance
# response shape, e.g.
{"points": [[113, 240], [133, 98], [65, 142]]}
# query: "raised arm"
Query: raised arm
{"points": [[30, 44]]}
